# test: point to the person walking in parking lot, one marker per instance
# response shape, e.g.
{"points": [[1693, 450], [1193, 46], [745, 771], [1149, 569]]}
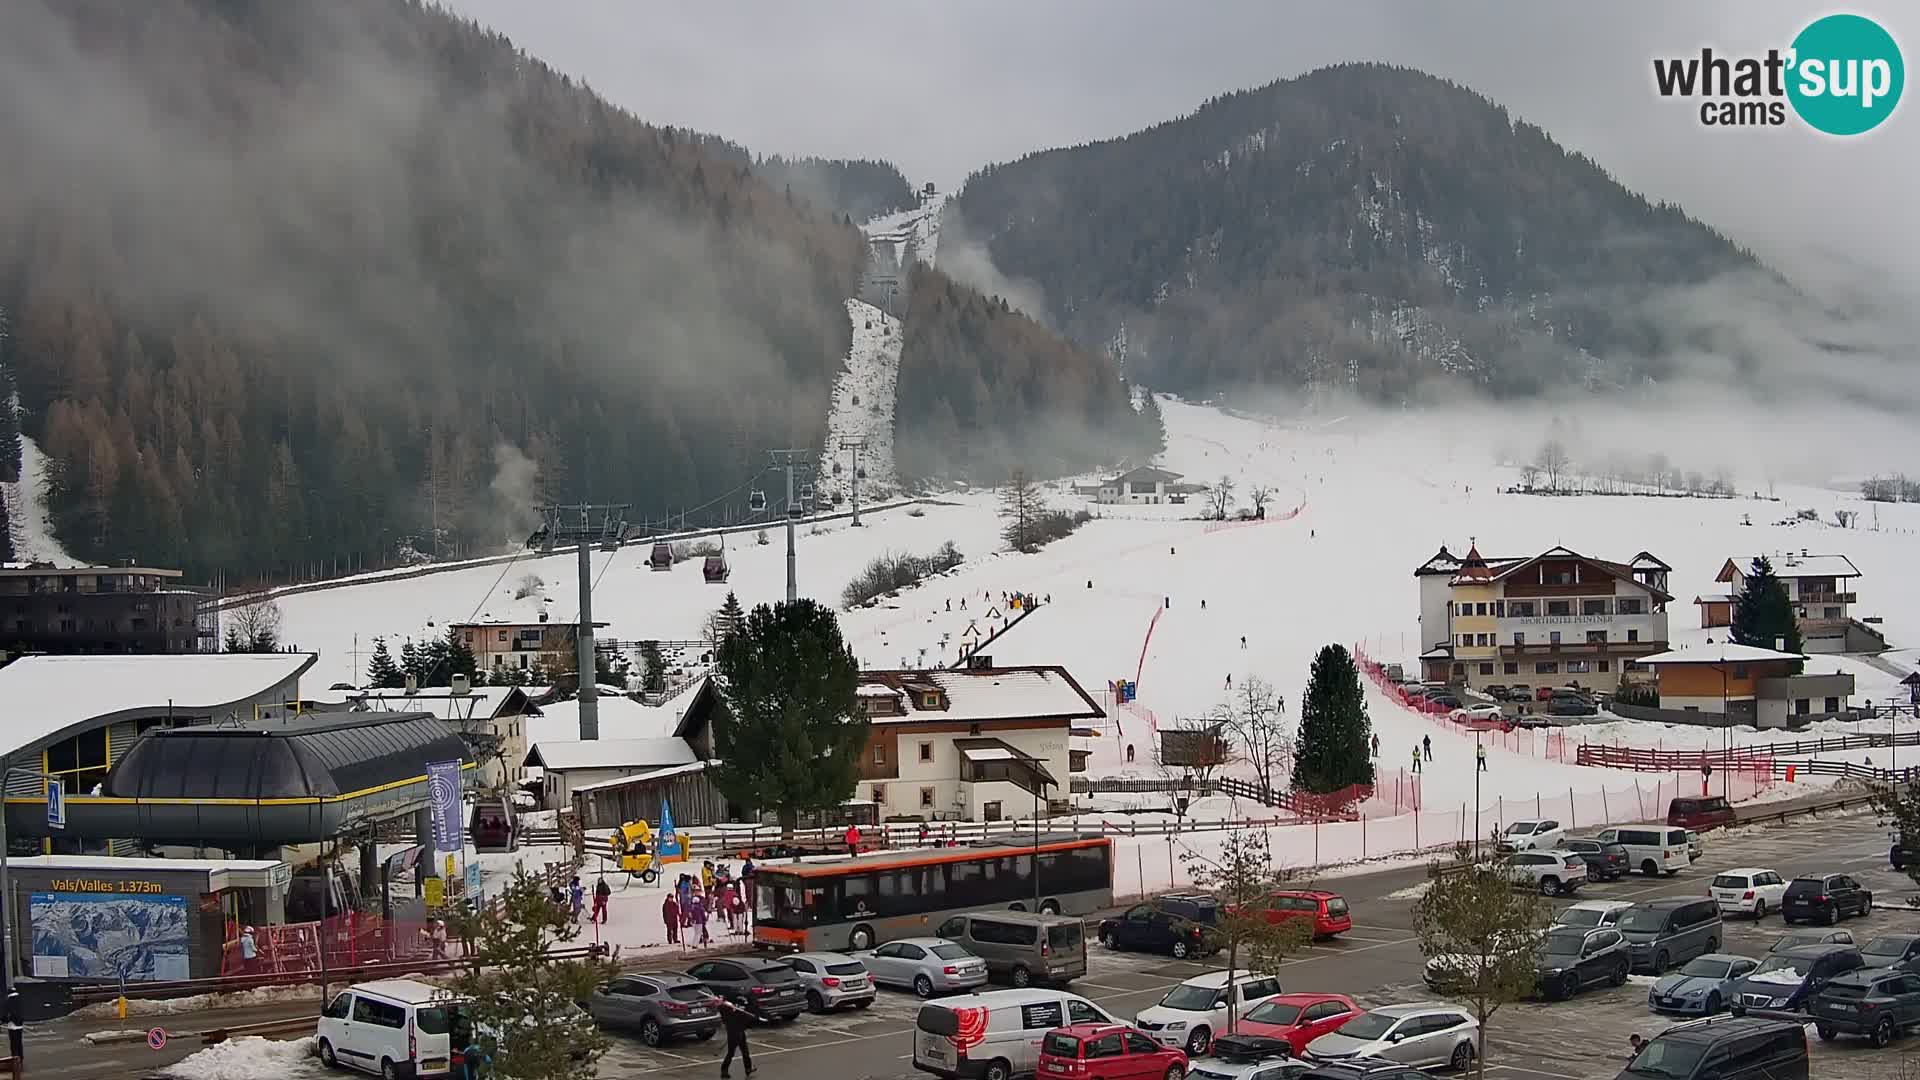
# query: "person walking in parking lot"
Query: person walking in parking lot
{"points": [[735, 1020]]}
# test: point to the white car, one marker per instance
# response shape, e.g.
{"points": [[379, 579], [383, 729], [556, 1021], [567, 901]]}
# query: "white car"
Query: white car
{"points": [[1554, 873], [1532, 836], [1591, 914], [1748, 890], [1193, 1011], [1467, 714]]}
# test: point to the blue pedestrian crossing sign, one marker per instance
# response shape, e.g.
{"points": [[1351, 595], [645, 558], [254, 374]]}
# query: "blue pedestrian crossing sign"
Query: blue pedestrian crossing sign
{"points": [[56, 804]]}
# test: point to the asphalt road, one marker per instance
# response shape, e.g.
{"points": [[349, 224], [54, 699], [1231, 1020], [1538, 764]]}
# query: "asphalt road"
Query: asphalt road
{"points": [[1378, 963]]}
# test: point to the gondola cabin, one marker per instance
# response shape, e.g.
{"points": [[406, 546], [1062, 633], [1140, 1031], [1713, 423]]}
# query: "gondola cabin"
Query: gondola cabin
{"points": [[493, 826], [716, 569], [662, 557]]}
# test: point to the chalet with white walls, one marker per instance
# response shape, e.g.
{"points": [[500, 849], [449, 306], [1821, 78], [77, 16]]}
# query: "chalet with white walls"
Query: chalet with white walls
{"points": [[1822, 591]]}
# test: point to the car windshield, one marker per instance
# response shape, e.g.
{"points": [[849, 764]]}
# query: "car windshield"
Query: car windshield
{"points": [[776, 974], [1061, 1044], [1520, 828], [853, 968], [1581, 917], [1190, 998], [1730, 881], [951, 952], [688, 993], [1273, 1012], [1894, 947], [1642, 919], [1783, 969], [1368, 1026], [1802, 886], [1337, 906], [1669, 1058], [1707, 969], [1563, 944]]}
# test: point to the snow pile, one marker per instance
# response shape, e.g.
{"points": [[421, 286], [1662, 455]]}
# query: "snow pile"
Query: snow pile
{"points": [[249, 1057], [918, 228], [33, 539], [863, 399], [95, 1038], [239, 999]]}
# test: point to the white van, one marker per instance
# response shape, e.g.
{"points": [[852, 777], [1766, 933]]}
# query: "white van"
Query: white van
{"points": [[995, 1035], [1651, 849], [394, 1028]]}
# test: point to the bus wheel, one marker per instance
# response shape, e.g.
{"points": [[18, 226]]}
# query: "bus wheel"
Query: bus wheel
{"points": [[861, 937], [1049, 907]]}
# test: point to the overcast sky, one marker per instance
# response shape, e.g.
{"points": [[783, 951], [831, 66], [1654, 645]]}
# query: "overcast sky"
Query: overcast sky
{"points": [[942, 87]]}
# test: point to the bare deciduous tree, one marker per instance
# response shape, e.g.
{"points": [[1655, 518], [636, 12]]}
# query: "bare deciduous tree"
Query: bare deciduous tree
{"points": [[1259, 495], [253, 627], [1254, 716], [1192, 752], [1554, 461], [1529, 476], [1221, 497]]}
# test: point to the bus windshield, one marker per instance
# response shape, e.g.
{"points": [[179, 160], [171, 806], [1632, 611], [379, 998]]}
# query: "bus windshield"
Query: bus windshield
{"points": [[778, 900]]}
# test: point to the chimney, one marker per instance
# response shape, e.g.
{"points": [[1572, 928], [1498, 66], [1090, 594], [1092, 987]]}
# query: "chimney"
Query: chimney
{"points": [[1779, 644]]}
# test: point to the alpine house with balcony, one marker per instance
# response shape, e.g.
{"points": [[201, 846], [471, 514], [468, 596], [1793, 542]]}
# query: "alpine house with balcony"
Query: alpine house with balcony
{"points": [[1822, 591], [1559, 618]]}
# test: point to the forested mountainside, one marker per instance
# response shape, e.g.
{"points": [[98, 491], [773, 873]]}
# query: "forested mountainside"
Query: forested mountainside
{"points": [[1363, 226], [857, 190], [984, 390]]}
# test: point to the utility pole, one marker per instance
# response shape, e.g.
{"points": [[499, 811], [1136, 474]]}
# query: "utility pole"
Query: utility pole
{"points": [[586, 534], [855, 443], [790, 460]]}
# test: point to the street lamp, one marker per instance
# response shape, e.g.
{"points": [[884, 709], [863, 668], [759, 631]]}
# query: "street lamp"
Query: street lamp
{"points": [[1476, 794], [1726, 738]]}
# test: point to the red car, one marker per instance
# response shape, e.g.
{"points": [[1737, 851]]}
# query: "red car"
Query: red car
{"points": [[1107, 1052], [1327, 910], [1297, 1019]]}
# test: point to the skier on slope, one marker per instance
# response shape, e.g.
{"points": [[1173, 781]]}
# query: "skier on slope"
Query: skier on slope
{"points": [[1416, 757]]}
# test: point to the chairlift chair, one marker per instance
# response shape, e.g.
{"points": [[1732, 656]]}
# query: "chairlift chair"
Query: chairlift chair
{"points": [[716, 570], [836, 468], [861, 472], [806, 493], [661, 558]]}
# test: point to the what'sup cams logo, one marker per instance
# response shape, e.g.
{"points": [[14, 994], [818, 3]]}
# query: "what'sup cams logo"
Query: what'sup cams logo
{"points": [[1842, 75]]}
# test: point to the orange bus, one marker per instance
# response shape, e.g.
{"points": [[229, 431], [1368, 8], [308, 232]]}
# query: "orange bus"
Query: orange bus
{"points": [[857, 903]]}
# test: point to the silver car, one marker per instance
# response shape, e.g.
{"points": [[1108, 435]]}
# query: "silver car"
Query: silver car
{"points": [[1426, 1034], [833, 980], [927, 966], [658, 1005]]}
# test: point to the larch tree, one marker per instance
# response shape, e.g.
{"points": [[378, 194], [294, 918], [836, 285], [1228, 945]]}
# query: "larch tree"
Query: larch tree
{"points": [[1021, 508], [1332, 751], [792, 731]]}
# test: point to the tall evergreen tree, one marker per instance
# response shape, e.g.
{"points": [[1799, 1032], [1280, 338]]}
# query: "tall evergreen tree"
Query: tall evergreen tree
{"points": [[413, 661], [1332, 749], [6, 529], [1762, 614], [10, 449], [653, 674], [456, 659], [793, 734], [382, 672], [731, 616]]}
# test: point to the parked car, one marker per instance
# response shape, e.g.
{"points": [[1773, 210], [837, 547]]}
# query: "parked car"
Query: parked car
{"points": [[1295, 1019], [1700, 813], [1180, 926], [1362, 1069], [1696, 847], [1793, 939], [1826, 898], [1748, 890], [1427, 1033], [1571, 960], [1107, 1052], [1569, 705], [1668, 932], [1652, 849], [1194, 1011], [1531, 835], [1478, 714], [927, 966], [1894, 951], [1746, 1048], [1248, 1057], [1605, 862], [1553, 873], [769, 989], [1020, 946], [832, 980], [1590, 914], [659, 1006], [1786, 979], [389, 1027], [1874, 1002], [1703, 985], [995, 1034], [1328, 910]]}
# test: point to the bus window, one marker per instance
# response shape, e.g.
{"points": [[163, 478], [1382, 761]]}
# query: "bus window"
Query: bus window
{"points": [[857, 895]]}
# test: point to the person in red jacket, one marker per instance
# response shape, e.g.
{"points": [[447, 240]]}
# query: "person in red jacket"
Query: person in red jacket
{"points": [[853, 840], [670, 914]]}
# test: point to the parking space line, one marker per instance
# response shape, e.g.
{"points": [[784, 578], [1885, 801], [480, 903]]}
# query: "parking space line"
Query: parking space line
{"points": [[1526, 1069]]}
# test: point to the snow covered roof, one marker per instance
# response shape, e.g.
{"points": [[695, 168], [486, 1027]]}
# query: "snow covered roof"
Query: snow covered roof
{"points": [[621, 717], [876, 690], [636, 778], [1789, 565], [1725, 653], [48, 694], [1622, 571], [480, 703], [561, 755], [980, 694], [221, 873], [1646, 560], [1147, 473]]}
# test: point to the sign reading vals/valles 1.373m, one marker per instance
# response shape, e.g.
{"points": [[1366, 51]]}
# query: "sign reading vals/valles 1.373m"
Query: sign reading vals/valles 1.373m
{"points": [[96, 885]]}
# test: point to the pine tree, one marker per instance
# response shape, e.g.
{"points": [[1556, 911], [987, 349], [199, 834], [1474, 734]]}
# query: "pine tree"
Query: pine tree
{"points": [[412, 662], [731, 616], [1334, 729], [6, 529], [233, 642], [792, 736], [653, 668], [457, 659], [1762, 614], [382, 672], [1154, 426]]}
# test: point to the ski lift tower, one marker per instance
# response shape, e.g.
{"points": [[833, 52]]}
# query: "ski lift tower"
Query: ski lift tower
{"points": [[586, 524], [855, 443], [791, 460]]}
